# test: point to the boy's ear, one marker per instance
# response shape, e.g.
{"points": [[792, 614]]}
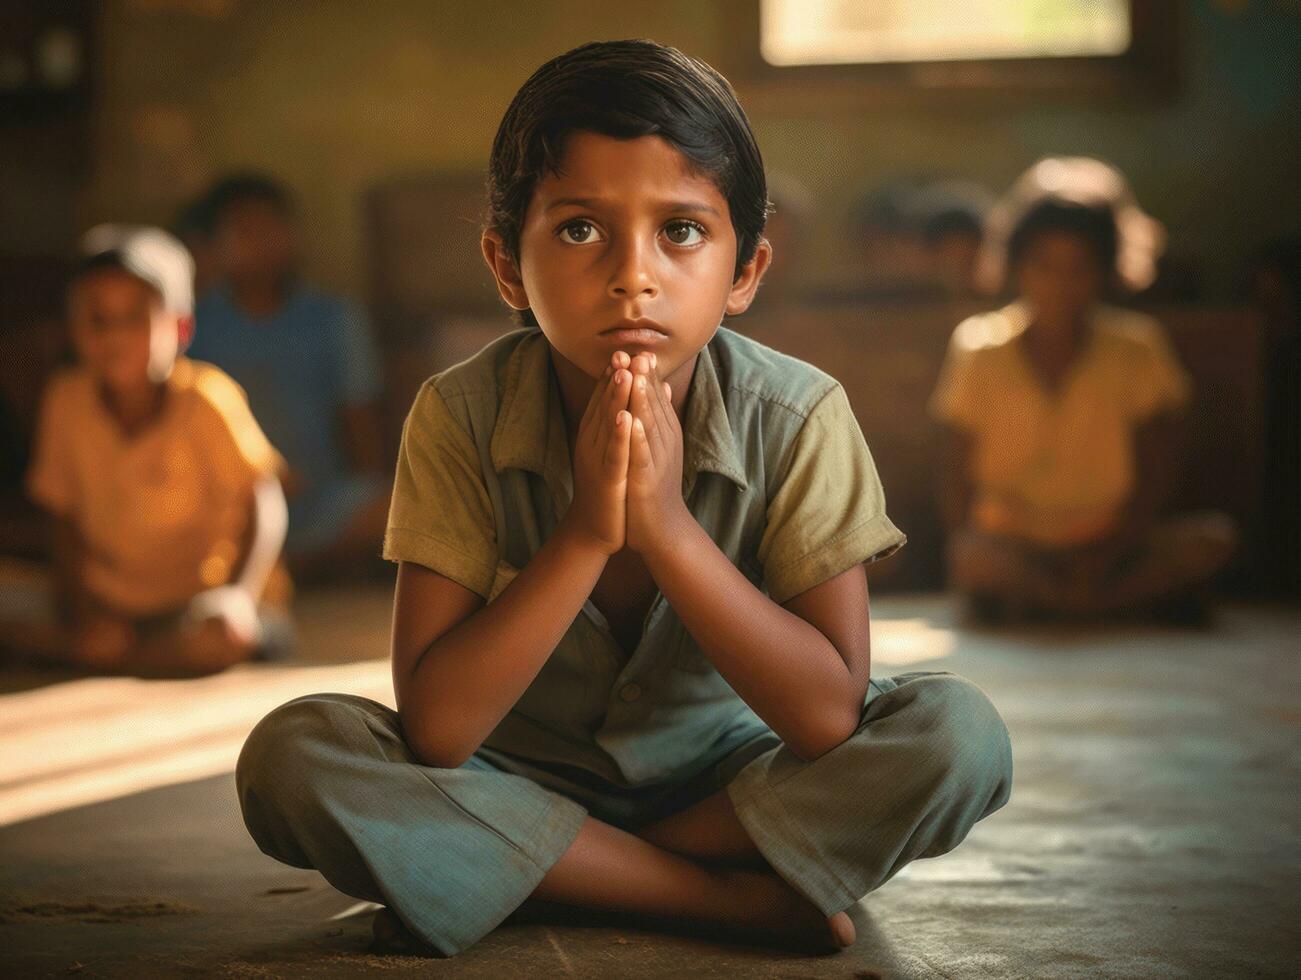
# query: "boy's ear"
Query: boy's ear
{"points": [[509, 283], [742, 293], [184, 330]]}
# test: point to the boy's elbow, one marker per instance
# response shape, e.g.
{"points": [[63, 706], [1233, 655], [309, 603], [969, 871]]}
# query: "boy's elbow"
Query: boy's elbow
{"points": [[431, 746], [821, 741]]}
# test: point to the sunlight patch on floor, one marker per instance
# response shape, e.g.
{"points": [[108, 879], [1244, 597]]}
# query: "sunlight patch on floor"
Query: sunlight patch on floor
{"points": [[96, 739], [910, 641]]}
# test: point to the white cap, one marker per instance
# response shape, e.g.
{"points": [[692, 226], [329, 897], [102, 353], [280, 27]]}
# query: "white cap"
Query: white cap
{"points": [[150, 254], [1140, 238]]}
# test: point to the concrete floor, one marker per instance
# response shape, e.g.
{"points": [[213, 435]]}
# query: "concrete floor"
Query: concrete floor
{"points": [[1152, 831]]}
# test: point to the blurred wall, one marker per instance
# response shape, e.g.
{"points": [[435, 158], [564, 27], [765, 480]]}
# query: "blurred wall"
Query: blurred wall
{"points": [[334, 95]]}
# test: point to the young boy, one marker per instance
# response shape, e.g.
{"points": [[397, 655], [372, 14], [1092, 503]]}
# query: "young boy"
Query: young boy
{"points": [[309, 365], [163, 495], [1064, 415], [630, 645]]}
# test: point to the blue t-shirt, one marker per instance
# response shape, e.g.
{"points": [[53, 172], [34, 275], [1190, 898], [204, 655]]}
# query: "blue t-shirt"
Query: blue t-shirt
{"points": [[299, 366]]}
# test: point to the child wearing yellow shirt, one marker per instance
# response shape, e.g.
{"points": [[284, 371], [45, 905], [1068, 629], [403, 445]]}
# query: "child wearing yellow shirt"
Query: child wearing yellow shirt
{"points": [[1064, 417], [163, 493]]}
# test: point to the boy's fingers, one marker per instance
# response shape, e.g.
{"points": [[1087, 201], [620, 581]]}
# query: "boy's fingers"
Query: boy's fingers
{"points": [[653, 392], [598, 424], [598, 393], [669, 414], [640, 455], [656, 434], [660, 405], [617, 448], [643, 412], [615, 399]]}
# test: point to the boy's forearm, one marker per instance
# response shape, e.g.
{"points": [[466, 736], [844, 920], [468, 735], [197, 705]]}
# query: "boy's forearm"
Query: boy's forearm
{"points": [[269, 522], [1157, 448], [472, 675], [782, 666]]}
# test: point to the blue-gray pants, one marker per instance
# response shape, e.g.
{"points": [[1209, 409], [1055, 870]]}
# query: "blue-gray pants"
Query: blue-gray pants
{"points": [[325, 781]]}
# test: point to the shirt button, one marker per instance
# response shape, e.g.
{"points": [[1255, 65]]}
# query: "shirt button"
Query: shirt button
{"points": [[630, 691]]}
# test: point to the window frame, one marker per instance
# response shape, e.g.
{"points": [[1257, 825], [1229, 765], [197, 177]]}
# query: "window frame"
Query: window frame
{"points": [[1149, 69]]}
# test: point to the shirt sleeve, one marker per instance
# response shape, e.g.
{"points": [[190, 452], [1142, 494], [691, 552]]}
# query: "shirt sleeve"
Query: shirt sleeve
{"points": [[51, 479], [829, 512], [238, 449], [358, 364], [1161, 383], [441, 516], [956, 399]]}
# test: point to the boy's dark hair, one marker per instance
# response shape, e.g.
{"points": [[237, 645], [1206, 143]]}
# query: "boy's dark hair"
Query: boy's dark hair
{"points": [[195, 218], [626, 89], [237, 189], [1093, 224], [955, 221], [885, 210]]}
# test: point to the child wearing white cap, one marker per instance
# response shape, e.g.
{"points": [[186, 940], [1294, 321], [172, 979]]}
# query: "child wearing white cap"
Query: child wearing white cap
{"points": [[167, 512]]}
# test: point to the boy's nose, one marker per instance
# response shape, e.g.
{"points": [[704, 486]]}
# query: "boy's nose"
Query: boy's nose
{"points": [[633, 273]]}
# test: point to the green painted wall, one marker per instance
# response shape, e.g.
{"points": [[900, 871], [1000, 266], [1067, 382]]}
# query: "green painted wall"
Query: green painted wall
{"points": [[335, 95]]}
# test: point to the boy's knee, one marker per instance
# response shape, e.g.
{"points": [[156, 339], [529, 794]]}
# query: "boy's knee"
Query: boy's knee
{"points": [[963, 738], [286, 748]]}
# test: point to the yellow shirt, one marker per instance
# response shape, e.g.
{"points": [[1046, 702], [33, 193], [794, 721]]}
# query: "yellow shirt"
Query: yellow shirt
{"points": [[775, 469], [1055, 466], [161, 512]]}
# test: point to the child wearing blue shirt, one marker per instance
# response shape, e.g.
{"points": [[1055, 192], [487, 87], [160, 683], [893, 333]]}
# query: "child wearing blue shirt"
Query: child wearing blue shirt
{"points": [[311, 370], [631, 640]]}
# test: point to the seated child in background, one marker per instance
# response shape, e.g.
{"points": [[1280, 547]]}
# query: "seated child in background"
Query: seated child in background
{"points": [[309, 365], [631, 650], [166, 507], [1065, 415]]}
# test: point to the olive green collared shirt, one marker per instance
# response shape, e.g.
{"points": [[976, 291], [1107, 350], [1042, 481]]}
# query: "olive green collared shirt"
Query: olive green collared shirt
{"points": [[774, 468]]}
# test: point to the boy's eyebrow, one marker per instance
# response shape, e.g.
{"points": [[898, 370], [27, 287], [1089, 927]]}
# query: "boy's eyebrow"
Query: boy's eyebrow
{"points": [[592, 202]]}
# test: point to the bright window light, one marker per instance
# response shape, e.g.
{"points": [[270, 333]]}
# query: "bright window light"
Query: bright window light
{"points": [[822, 32]]}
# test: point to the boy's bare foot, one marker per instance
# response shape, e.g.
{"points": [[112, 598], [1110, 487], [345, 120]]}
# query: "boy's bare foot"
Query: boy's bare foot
{"points": [[770, 907], [767, 909], [389, 937]]}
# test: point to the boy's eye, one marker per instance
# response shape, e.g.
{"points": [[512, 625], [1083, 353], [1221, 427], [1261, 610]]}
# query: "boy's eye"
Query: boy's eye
{"points": [[685, 228], [584, 230], [581, 231]]}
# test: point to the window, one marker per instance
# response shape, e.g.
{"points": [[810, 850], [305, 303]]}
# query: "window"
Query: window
{"points": [[819, 32], [838, 55]]}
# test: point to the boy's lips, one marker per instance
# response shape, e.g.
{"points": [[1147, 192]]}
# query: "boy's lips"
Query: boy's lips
{"points": [[635, 332]]}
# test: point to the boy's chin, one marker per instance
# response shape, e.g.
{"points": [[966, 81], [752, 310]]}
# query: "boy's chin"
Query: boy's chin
{"points": [[125, 382]]}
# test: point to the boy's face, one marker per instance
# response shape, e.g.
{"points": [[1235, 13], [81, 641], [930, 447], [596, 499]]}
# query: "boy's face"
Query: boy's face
{"points": [[254, 242], [1060, 276], [626, 231], [953, 258], [121, 331]]}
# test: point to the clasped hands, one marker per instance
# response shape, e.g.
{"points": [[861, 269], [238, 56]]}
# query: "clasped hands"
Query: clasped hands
{"points": [[627, 460]]}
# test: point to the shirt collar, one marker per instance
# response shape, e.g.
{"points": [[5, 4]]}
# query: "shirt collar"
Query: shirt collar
{"points": [[530, 431], [1018, 314]]}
